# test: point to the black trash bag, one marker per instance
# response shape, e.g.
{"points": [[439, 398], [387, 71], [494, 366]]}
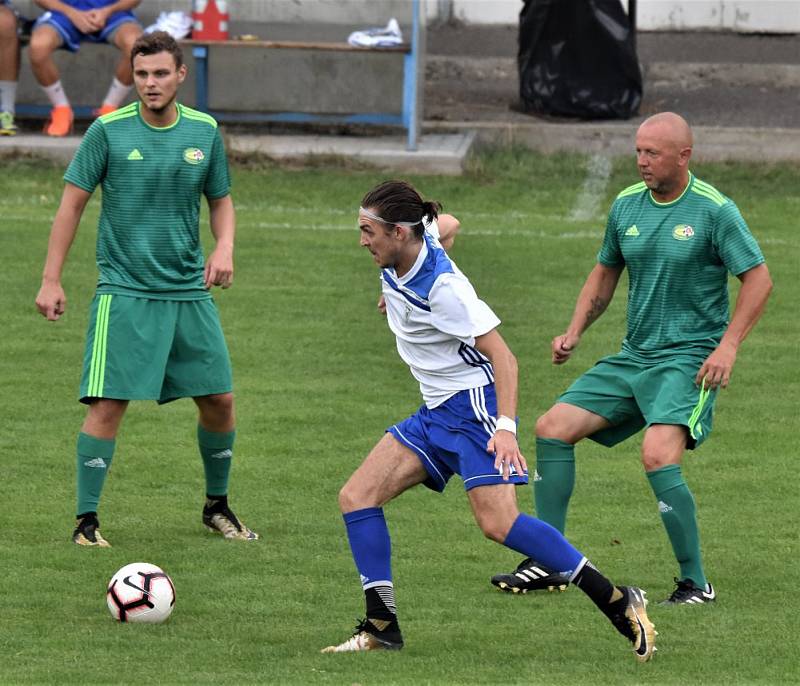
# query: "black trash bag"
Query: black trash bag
{"points": [[577, 58]]}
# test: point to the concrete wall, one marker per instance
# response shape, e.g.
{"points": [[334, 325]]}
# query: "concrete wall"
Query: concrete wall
{"points": [[248, 80], [357, 12], [781, 16]]}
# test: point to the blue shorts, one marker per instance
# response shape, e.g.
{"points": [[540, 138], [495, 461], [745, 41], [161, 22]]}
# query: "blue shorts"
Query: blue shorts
{"points": [[72, 38], [451, 439]]}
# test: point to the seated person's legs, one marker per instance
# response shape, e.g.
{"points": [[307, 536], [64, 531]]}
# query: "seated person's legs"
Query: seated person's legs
{"points": [[123, 37], [9, 70], [45, 40]]}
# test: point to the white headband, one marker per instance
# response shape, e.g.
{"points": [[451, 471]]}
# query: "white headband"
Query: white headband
{"points": [[375, 217]]}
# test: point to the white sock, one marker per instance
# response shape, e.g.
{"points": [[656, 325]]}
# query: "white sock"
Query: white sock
{"points": [[116, 93], [58, 98], [8, 96]]}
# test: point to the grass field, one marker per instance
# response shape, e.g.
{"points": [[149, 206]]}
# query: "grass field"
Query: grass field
{"points": [[317, 381]]}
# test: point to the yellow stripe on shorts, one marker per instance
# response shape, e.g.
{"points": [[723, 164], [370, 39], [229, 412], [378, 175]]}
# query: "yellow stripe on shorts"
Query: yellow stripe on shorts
{"points": [[97, 366], [694, 420]]}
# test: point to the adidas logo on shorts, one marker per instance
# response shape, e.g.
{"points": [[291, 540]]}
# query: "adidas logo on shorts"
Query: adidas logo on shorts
{"points": [[97, 462]]}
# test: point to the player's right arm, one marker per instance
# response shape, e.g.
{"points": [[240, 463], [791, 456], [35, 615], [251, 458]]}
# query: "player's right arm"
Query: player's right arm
{"points": [[51, 300], [593, 300]]}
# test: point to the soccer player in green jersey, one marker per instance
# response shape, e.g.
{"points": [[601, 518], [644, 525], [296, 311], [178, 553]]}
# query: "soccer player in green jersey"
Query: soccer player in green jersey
{"points": [[154, 331], [679, 237]]}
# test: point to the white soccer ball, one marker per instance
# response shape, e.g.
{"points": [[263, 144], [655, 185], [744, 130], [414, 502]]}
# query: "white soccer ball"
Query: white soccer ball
{"points": [[140, 592]]}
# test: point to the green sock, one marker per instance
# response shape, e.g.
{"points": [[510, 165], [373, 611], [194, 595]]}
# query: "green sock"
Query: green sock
{"points": [[676, 504], [216, 449], [94, 461], [553, 481]]}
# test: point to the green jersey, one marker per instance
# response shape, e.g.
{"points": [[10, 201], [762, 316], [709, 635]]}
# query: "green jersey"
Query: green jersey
{"points": [[148, 241], [678, 256]]}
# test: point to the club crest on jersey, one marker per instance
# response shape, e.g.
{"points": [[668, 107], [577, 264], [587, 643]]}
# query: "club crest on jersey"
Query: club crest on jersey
{"points": [[193, 155], [409, 310], [682, 232]]}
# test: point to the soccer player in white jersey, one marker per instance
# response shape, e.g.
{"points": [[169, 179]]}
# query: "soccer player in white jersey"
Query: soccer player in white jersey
{"points": [[466, 426]]}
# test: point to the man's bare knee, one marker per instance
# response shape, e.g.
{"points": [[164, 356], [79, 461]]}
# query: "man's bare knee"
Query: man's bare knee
{"points": [[654, 458], [550, 425], [104, 417], [663, 445], [352, 497], [220, 402], [8, 25], [40, 47], [215, 409], [495, 530]]}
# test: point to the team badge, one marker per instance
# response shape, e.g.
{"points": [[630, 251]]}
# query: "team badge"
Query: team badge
{"points": [[682, 232], [193, 155]]}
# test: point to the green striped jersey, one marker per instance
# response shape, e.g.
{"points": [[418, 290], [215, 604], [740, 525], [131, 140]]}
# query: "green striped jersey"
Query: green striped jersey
{"points": [[678, 255], [148, 240]]}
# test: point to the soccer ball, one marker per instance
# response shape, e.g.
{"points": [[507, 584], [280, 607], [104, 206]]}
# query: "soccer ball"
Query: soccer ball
{"points": [[140, 592]]}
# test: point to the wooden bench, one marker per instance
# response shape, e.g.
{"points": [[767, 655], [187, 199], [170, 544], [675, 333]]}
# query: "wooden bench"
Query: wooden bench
{"points": [[412, 80]]}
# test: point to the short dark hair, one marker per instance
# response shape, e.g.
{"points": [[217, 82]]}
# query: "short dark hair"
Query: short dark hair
{"points": [[398, 201], [158, 41]]}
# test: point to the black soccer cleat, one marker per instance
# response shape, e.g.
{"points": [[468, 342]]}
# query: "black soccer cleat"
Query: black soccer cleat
{"points": [[371, 634], [87, 531], [530, 575], [632, 622], [219, 518], [688, 593]]}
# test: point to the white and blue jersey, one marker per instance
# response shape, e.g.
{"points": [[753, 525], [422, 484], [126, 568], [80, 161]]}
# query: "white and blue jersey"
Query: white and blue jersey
{"points": [[436, 315]]}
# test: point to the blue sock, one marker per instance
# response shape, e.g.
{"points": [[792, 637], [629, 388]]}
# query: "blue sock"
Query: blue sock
{"points": [[537, 539], [371, 546]]}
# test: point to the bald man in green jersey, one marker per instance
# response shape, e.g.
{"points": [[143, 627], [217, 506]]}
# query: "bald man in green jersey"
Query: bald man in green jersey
{"points": [[154, 331], [679, 237]]}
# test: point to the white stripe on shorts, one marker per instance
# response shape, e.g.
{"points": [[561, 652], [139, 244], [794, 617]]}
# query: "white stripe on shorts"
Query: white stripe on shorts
{"points": [[478, 403], [421, 452]]}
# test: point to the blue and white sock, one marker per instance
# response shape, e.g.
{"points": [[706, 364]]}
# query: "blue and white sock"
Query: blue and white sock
{"points": [[537, 539], [372, 553]]}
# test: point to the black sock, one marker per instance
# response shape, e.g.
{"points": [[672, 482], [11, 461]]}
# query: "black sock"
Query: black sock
{"points": [[602, 592], [212, 500], [380, 603]]}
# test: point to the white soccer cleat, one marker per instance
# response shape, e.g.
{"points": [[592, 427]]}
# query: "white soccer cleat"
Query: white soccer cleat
{"points": [[363, 639]]}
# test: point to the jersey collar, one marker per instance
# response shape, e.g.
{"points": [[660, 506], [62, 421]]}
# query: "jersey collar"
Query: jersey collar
{"points": [[179, 109], [672, 202], [423, 253]]}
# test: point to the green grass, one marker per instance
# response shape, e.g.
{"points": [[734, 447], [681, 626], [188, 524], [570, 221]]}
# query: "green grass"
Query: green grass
{"points": [[317, 381]]}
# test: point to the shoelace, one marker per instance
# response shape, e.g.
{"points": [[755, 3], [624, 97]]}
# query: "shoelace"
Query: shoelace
{"points": [[684, 588]]}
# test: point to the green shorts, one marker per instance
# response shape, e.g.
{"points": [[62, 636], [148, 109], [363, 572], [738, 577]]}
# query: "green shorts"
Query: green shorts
{"points": [[140, 349], [632, 395]]}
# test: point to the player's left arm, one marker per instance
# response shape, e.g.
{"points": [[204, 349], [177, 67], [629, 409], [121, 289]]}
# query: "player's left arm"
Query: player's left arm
{"points": [[504, 443], [448, 229], [753, 295], [219, 265]]}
